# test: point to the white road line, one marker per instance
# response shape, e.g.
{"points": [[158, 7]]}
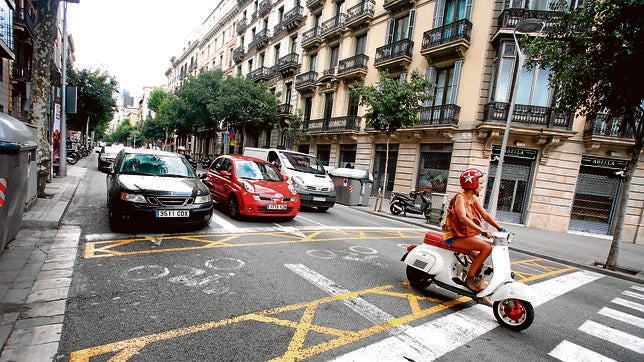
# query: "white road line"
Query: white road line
{"points": [[299, 216], [447, 333], [224, 224], [638, 288], [628, 303], [613, 335], [633, 294], [622, 317], [570, 352], [358, 305]]}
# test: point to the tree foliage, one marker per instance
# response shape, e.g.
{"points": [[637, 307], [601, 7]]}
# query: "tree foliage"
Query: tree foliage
{"points": [[595, 54], [241, 100], [96, 101], [122, 132], [393, 103], [157, 96]]}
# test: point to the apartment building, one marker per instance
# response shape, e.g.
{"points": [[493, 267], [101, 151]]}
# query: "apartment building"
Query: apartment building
{"points": [[559, 172]]}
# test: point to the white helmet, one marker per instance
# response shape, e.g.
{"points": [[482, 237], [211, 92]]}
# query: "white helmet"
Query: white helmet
{"points": [[181, 148]]}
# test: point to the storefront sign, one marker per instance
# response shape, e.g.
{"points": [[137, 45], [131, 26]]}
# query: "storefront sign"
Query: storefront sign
{"points": [[603, 163], [514, 152]]}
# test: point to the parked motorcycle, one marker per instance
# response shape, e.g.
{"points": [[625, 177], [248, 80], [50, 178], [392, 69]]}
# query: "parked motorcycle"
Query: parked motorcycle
{"points": [[446, 266], [401, 203]]}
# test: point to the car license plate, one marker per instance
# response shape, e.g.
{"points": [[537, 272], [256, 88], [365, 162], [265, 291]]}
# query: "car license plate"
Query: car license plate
{"points": [[173, 213], [319, 198], [276, 207]]}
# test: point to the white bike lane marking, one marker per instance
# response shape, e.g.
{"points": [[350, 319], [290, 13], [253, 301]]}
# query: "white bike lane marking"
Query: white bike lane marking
{"points": [[447, 333]]}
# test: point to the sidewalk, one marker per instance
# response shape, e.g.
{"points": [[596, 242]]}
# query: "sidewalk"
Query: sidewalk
{"points": [[36, 267]]}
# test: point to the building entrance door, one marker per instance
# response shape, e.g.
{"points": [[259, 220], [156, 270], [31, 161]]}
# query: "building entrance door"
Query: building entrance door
{"points": [[379, 169]]}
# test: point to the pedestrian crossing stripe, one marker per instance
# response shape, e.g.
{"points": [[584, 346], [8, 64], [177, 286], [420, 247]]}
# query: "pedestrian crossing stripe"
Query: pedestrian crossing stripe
{"points": [[613, 335], [569, 352]]}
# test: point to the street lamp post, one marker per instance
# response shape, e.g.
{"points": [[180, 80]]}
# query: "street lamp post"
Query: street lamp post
{"points": [[524, 26]]}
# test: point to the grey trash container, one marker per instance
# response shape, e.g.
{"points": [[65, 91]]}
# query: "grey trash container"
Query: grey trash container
{"points": [[17, 152], [352, 186]]}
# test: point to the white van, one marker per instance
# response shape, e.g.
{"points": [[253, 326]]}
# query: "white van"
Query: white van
{"points": [[306, 173]]}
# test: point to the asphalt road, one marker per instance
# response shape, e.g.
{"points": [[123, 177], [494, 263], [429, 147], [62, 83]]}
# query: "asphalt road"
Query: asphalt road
{"points": [[324, 286]]}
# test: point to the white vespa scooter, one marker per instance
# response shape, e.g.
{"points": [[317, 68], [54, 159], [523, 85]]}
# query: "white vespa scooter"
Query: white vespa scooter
{"points": [[436, 262]]}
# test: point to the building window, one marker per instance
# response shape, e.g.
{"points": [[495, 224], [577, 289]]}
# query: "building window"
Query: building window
{"points": [[433, 167], [348, 156], [324, 154]]}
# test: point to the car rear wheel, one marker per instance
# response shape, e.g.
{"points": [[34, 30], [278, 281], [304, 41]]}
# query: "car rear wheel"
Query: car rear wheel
{"points": [[233, 207]]}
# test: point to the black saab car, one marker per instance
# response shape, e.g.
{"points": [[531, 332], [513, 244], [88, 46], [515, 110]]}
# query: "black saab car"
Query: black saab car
{"points": [[148, 186]]}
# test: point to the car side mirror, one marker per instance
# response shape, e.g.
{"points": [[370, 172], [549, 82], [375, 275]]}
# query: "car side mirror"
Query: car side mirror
{"points": [[224, 173], [285, 177]]}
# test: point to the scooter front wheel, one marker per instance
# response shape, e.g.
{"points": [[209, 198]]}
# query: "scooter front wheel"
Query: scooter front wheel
{"points": [[418, 279], [515, 314]]}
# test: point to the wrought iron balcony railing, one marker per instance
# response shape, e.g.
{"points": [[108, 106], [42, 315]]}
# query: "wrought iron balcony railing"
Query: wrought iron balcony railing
{"points": [[528, 116], [334, 124], [445, 114], [356, 62], [461, 29], [401, 48], [603, 126]]}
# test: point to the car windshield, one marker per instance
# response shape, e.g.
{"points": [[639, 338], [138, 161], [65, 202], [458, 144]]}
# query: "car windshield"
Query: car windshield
{"points": [[111, 150], [305, 163], [156, 165], [252, 170]]}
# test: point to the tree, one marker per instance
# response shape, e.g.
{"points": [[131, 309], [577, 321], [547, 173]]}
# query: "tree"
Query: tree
{"points": [[157, 96], [394, 103], [293, 128], [595, 54], [123, 132], [41, 89], [96, 103], [241, 101]]}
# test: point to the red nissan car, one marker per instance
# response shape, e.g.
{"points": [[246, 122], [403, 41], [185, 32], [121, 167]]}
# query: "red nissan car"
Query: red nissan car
{"points": [[250, 186]]}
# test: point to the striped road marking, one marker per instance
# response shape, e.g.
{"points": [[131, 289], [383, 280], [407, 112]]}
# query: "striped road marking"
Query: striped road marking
{"points": [[447, 333], [613, 335], [570, 352]]}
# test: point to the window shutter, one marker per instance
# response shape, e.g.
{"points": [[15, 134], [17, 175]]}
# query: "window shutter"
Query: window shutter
{"points": [[456, 78], [468, 10], [390, 31], [439, 10], [430, 75], [410, 28]]}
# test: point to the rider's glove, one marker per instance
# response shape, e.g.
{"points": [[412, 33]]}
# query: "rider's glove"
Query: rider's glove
{"points": [[503, 230]]}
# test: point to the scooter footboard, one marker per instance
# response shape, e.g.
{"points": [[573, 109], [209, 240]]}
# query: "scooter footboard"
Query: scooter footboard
{"points": [[514, 290]]}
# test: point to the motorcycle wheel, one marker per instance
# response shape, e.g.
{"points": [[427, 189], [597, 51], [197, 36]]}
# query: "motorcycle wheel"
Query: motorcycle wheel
{"points": [[396, 208], [71, 159], [515, 314], [418, 279]]}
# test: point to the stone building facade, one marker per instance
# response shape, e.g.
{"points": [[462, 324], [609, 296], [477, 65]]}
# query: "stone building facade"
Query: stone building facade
{"points": [[559, 172]]}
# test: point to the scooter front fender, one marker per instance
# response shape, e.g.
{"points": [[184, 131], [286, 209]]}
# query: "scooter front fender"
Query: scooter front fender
{"points": [[513, 290]]}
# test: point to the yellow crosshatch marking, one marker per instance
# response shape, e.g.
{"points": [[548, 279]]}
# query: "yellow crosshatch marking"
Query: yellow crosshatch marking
{"points": [[419, 306], [141, 245]]}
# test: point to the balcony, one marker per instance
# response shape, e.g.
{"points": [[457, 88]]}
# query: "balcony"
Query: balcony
{"points": [[360, 15], [23, 21], [305, 83], [20, 73], [443, 115], [294, 18], [284, 110], [264, 7], [332, 28], [288, 65], [278, 32], [509, 19], [608, 131], [448, 42], [314, 5], [242, 25], [394, 57], [395, 5], [260, 74], [311, 39], [346, 124], [238, 54], [260, 41], [354, 68], [241, 3]]}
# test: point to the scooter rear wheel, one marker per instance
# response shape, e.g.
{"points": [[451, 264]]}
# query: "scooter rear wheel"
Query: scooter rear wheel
{"points": [[396, 208], [515, 314], [418, 279]]}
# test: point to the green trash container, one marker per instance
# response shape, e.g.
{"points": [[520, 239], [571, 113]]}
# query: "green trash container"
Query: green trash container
{"points": [[17, 152], [352, 186]]}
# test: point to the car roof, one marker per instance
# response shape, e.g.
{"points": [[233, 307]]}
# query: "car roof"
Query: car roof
{"points": [[245, 158], [148, 151]]}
